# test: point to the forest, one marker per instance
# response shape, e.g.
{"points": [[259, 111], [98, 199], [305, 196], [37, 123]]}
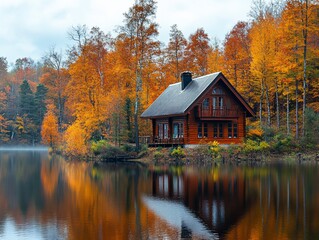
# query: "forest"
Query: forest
{"points": [[97, 89]]}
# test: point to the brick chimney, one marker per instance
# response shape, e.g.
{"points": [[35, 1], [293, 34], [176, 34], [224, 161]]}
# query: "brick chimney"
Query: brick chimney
{"points": [[186, 78]]}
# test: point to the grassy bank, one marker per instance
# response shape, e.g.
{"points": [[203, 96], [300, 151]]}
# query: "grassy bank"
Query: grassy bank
{"points": [[207, 155]]}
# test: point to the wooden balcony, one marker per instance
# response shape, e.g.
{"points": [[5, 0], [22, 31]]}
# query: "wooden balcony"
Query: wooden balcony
{"points": [[169, 142], [217, 113]]}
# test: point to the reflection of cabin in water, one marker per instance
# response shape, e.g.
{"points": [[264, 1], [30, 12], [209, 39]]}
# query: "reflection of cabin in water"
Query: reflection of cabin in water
{"points": [[217, 203], [208, 107]]}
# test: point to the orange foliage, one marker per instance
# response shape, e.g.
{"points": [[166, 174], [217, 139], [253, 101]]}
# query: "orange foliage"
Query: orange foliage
{"points": [[76, 138], [256, 132], [49, 131]]}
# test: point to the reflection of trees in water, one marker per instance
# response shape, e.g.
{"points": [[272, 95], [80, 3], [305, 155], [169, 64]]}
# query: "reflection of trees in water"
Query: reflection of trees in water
{"points": [[87, 201], [286, 205], [20, 183], [245, 202]]}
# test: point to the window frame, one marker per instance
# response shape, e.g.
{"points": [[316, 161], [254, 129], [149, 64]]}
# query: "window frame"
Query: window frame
{"points": [[199, 130], [163, 130], [180, 129], [232, 130], [218, 130]]}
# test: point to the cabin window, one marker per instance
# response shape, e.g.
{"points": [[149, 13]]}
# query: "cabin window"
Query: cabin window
{"points": [[232, 130], [202, 130], [217, 104], [206, 104], [178, 130], [162, 130], [220, 102], [199, 130], [218, 90], [205, 130], [218, 130], [215, 130], [165, 130], [235, 130], [214, 102]]}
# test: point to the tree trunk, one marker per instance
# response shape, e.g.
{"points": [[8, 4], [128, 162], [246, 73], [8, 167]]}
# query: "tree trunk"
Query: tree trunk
{"points": [[137, 144], [277, 106], [268, 107], [288, 110], [261, 101], [297, 108], [138, 82], [304, 81]]}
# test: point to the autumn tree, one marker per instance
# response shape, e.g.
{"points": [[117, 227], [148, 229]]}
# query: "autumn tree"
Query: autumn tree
{"points": [[88, 88], [175, 51], [76, 138], [50, 128], [263, 50], [301, 20], [237, 56], [141, 30], [216, 57], [55, 77], [197, 52]]}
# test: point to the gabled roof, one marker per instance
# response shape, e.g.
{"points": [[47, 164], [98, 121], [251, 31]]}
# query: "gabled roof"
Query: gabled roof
{"points": [[175, 101]]}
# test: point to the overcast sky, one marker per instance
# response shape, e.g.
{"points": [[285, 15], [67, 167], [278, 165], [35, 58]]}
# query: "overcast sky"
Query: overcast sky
{"points": [[29, 28]]}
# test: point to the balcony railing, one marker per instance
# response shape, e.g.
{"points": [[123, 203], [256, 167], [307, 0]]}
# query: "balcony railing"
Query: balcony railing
{"points": [[218, 113], [173, 141], [161, 141]]}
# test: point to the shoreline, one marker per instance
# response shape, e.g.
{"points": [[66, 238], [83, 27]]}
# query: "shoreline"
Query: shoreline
{"points": [[192, 158]]}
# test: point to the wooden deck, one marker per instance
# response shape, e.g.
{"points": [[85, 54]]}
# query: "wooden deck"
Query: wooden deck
{"points": [[166, 142]]}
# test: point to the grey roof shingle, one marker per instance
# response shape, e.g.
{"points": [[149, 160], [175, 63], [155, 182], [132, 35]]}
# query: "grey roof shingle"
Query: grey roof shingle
{"points": [[175, 101]]}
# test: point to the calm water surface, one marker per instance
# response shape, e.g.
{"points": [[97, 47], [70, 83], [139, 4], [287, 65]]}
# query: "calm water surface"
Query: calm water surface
{"points": [[49, 198]]}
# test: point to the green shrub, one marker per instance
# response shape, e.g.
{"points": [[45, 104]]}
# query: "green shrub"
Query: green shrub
{"points": [[311, 138], [233, 150], [269, 133], [282, 143], [128, 148], [252, 146], [106, 150], [158, 155], [177, 152], [99, 146], [112, 152], [144, 148]]}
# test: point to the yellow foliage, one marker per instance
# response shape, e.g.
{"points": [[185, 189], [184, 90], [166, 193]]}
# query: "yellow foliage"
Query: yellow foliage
{"points": [[75, 140]]}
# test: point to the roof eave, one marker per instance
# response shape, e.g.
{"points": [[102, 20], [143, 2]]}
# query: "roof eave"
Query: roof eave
{"points": [[165, 116]]}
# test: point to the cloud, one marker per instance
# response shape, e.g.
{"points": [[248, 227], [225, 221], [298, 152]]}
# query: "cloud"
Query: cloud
{"points": [[30, 28]]}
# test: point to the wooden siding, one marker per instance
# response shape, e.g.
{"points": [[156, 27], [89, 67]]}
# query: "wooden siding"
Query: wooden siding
{"points": [[194, 116], [192, 126]]}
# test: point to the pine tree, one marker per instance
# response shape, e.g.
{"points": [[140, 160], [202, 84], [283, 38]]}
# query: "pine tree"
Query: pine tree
{"points": [[26, 102], [39, 101]]}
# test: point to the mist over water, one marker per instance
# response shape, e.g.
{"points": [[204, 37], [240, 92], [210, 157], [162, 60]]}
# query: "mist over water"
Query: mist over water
{"points": [[23, 148]]}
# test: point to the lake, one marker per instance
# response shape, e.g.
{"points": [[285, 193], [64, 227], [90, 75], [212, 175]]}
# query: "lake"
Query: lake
{"points": [[44, 197]]}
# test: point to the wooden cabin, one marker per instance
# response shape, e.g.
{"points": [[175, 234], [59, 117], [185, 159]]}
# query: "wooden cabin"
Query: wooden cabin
{"points": [[206, 108]]}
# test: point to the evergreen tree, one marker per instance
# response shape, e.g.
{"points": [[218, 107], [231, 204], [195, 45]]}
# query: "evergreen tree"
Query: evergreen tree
{"points": [[40, 106], [40, 109], [26, 103]]}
